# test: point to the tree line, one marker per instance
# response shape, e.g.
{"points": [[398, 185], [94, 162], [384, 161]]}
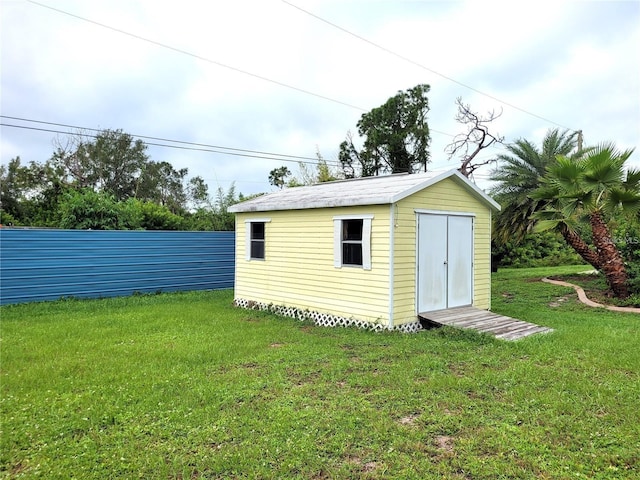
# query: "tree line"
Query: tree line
{"points": [[108, 181]]}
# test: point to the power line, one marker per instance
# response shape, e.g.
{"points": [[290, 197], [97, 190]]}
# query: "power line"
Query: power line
{"points": [[178, 147], [413, 62], [194, 55], [275, 157], [183, 145], [163, 139], [220, 64], [196, 146]]}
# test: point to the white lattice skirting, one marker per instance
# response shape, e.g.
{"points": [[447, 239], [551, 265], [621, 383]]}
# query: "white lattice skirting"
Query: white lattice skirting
{"points": [[324, 319]]}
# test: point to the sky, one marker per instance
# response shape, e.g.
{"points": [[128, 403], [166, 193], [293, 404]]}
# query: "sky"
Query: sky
{"points": [[292, 78]]}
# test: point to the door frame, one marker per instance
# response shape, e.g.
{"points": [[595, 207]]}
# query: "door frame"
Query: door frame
{"points": [[446, 213]]}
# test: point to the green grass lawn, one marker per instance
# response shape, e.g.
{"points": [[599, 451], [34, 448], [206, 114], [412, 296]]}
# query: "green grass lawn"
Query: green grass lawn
{"points": [[184, 386]]}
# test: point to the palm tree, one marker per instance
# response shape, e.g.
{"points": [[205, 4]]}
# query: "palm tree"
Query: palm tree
{"points": [[518, 175], [594, 186]]}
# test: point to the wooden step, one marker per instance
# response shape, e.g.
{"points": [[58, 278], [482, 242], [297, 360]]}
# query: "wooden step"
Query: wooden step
{"points": [[471, 318]]}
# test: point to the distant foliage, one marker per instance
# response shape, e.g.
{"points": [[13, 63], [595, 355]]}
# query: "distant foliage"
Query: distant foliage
{"points": [[7, 219], [545, 249], [216, 217], [306, 174], [113, 162], [106, 182]]}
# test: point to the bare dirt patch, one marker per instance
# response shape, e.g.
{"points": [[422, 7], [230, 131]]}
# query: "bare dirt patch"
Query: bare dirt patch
{"points": [[370, 466], [364, 466], [444, 443], [558, 301], [408, 420], [457, 369]]}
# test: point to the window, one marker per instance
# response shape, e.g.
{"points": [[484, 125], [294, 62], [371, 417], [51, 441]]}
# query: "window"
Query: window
{"points": [[352, 241], [255, 238]]}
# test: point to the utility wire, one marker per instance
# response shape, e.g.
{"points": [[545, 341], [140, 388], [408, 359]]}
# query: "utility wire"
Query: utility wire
{"points": [[220, 64], [413, 62], [190, 146], [163, 139], [194, 55], [178, 147]]}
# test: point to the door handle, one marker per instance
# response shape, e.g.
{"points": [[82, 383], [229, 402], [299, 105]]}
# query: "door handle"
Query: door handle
{"points": [[446, 263]]}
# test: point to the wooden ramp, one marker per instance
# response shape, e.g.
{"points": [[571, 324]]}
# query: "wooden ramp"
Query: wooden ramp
{"points": [[471, 318]]}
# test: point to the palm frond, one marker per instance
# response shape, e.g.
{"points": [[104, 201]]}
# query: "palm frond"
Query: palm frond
{"points": [[544, 225], [632, 180], [603, 169], [572, 205], [556, 143], [612, 150], [566, 173], [623, 199], [546, 191], [549, 214]]}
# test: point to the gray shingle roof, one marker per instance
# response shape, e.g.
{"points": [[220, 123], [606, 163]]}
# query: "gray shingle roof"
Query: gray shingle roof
{"points": [[361, 191]]}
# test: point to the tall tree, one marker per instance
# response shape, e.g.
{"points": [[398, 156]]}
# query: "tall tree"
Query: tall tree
{"points": [[278, 176], [198, 192], [16, 181], [30, 193], [160, 183], [396, 137], [595, 185], [112, 162]]}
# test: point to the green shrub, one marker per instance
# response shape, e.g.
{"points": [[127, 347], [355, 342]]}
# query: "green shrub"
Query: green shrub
{"points": [[7, 219], [89, 210], [156, 217], [545, 249]]}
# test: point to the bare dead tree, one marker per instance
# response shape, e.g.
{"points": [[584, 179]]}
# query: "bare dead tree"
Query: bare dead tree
{"points": [[477, 137]]}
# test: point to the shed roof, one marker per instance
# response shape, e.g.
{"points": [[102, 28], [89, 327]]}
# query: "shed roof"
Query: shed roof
{"points": [[361, 191]]}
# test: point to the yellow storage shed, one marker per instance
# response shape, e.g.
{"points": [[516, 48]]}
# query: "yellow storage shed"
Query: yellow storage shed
{"points": [[373, 252]]}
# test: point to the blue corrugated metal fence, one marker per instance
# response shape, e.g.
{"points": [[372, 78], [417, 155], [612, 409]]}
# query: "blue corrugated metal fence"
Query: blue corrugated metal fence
{"points": [[49, 264]]}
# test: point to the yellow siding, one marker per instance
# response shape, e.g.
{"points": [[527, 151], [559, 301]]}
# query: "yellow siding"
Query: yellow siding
{"points": [[446, 195], [298, 269]]}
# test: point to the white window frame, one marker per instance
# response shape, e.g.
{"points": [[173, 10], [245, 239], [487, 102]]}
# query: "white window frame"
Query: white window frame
{"points": [[248, 239], [366, 240]]}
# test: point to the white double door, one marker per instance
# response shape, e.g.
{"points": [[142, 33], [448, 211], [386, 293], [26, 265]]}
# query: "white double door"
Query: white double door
{"points": [[445, 261]]}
